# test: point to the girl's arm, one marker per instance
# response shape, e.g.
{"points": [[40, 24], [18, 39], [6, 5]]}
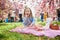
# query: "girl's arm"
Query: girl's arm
{"points": [[33, 21]]}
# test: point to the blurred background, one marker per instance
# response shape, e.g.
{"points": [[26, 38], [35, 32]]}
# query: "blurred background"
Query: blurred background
{"points": [[15, 8]]}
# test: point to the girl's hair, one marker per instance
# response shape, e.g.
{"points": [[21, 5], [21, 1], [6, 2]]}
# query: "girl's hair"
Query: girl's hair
{"points": [[30, 12]]}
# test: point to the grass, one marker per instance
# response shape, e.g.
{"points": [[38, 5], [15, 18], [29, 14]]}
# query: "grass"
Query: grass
{"points": [[5, 34]]}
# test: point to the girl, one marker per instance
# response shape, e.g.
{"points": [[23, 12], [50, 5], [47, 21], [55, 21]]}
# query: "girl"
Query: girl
{"points": [[28, 18]]}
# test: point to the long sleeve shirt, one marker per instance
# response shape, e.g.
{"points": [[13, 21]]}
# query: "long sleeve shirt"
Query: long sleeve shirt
{"points": [[28, 21]]}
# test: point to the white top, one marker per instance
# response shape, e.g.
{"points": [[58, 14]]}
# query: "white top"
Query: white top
{"points": [[13, 14], [20, 11], [48, 22]]}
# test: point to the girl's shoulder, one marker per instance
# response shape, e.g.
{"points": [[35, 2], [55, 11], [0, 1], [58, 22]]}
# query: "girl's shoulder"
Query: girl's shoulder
{"points": [[32, 18]]}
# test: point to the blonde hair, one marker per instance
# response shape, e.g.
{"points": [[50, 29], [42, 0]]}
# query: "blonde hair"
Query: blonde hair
{"points": [[30, 12]]}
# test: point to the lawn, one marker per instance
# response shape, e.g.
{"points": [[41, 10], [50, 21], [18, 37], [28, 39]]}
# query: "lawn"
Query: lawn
{"points": [[5, 34]]}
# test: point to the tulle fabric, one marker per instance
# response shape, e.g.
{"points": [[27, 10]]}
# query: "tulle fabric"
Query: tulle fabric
{"points": [[37, 30]]}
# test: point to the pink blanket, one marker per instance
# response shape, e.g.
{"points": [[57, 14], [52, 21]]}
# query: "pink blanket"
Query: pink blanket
{"points": [[37, 31]]}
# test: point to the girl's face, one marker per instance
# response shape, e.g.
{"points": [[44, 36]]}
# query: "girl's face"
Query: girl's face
{"points": [[27, 13]]}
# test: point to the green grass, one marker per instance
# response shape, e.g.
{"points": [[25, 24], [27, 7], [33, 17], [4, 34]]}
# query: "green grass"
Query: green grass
{"points": [[5, 34]]}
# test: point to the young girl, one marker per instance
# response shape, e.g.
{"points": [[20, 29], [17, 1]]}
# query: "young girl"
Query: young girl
{"points": [[28, 20], [27, 17]]}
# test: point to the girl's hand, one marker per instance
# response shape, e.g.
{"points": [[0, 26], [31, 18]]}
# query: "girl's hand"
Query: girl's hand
{"points": [[30, 25]]}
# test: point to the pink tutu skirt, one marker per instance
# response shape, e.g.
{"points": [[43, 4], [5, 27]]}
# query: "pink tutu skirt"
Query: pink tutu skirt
{"points": [[35, 30], [38, 31]]}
